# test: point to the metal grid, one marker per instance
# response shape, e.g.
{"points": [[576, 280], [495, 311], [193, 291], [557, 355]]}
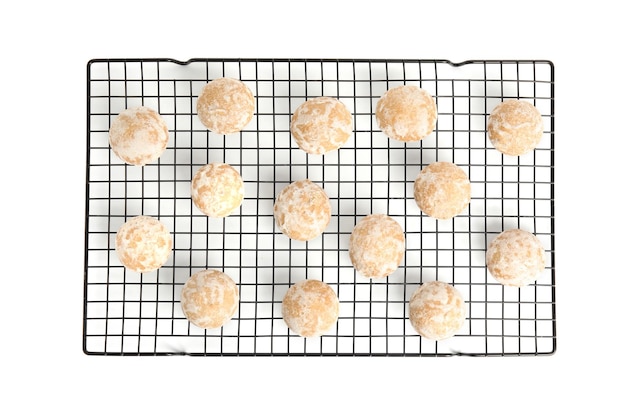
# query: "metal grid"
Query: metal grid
{"points": [[127, 313]]}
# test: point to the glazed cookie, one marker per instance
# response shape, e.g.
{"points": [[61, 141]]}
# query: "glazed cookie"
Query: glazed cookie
{"points": [[376, 246], [310, 308], [437, 310], [209, 299], [515, 127], [406, 113], [516, 258], [138, 136], [143, 244], [321, 124], [442, 190], [302, 210], [225, 105], [217, 189]]}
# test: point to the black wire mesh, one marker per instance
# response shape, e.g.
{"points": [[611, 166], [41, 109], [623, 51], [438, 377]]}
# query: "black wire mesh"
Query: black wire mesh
{"points": [[127, 313]]}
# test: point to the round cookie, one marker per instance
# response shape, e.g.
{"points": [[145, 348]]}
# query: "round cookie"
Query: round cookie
{"points": [[515, 258], [217, 189], [302, 210], [442, 190], [143, 244], [138, 135], [310, 308], [515, 127], [406, 113], [376, 246], [225, 105], [209, 299], [321, 124], [437, 310]]}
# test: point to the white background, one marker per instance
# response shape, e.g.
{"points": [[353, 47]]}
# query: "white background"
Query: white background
{"points": [[45, 48]]}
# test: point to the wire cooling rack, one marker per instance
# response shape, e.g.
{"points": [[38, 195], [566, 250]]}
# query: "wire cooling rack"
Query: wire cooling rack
{"points": [[127, 313]]}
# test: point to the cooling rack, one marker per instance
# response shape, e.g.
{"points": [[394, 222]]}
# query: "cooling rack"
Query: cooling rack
{"points": [[127, 313]]}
